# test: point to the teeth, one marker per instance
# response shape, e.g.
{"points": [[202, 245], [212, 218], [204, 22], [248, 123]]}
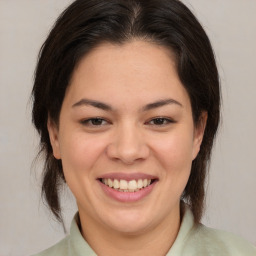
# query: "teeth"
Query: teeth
{"points": [[127, 186], [109, 183], [140, 184], [116, 184], [123, 184], [132, 185]]}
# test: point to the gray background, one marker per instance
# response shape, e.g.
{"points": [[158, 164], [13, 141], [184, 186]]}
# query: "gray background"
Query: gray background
{"points": [[25, 224]]}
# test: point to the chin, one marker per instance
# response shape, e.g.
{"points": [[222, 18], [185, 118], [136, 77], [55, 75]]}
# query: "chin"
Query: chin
{"points": [[128, 223]]}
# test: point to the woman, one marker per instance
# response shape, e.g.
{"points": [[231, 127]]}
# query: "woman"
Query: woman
{"points": [[126, 102]]}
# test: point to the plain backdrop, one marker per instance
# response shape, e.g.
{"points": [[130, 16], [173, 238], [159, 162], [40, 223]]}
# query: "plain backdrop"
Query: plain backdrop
{"points": [[26, 226]]}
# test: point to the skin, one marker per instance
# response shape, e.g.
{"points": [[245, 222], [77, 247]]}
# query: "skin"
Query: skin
{"points": [[127, 139]]}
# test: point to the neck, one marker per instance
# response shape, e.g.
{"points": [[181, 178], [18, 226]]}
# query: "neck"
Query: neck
{"points": [[155, 241]]}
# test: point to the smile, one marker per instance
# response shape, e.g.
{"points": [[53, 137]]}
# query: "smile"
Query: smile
{"points": [[127, 186]]}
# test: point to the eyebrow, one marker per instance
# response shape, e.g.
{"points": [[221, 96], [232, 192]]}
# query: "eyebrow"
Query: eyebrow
{"points": [[93, 103], [161, 103], [106, 107]]}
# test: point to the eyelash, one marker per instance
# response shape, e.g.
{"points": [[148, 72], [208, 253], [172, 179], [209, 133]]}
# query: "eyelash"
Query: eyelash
{"points": [[91, 121], [163, 120]]}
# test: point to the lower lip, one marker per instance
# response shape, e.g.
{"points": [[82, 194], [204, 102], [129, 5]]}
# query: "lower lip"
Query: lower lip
{"points": [[127, 196]]}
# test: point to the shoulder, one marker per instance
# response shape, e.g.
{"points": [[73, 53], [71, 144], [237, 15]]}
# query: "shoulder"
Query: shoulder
{"points": [[73, 244], [196, 239], [208, 241], [59, 249]]}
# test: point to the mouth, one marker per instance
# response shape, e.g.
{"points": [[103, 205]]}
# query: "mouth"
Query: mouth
{"points": [[125, 186]]}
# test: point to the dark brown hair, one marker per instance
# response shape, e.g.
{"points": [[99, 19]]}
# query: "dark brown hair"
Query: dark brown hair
{"points": [[87, 23]]}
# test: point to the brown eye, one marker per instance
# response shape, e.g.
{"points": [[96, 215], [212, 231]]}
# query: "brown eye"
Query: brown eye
{"points": [[160, 121], [94, 122]]}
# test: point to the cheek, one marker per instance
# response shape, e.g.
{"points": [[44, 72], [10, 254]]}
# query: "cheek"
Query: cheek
{"points": [[175, 153], [80, 153], [174, 158]]}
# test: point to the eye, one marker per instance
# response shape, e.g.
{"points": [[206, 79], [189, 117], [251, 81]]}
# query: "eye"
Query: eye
{"points": [[97, 121], [160, 121]]}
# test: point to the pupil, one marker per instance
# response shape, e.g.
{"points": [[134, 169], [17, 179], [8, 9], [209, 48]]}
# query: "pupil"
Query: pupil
{"points": [[96, 121], [159, 121]]}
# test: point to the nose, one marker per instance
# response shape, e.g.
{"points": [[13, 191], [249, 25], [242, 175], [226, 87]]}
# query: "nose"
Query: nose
{"points": [[128, 145]]}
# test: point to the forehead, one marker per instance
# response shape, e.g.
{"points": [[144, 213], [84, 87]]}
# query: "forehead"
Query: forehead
{"points": [[136, 69], [137, 56]]}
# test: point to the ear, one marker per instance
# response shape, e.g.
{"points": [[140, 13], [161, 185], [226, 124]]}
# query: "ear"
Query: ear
{"points": [[54, 137], [199, 133]]}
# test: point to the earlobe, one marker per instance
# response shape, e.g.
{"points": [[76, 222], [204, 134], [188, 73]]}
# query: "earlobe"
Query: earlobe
{"points": [[54, 138], [199, 133]]}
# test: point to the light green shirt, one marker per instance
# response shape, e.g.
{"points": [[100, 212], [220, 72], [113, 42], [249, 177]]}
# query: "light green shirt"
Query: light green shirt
{"points": [[192, 240]]}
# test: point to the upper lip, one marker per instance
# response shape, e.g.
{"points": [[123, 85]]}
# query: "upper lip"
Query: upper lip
{"points": [[127, 176]]}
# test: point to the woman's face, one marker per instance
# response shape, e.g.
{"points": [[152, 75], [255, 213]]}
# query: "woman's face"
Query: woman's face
{"points": [[126, 121]]}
